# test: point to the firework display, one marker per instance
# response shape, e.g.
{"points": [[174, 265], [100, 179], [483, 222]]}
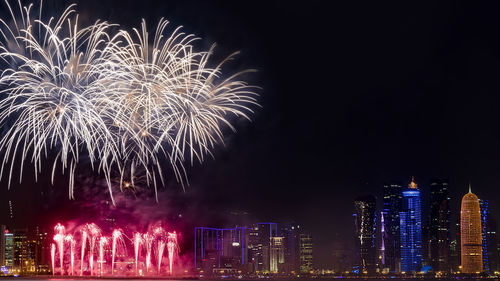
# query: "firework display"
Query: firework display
{"points": [[123, 100], [112, 252]]}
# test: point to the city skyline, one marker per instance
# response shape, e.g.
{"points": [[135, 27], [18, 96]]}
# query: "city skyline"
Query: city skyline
{"points": [[353, 97]]}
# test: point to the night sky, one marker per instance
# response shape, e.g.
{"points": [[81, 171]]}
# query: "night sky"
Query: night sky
{"points": [[353, 94]]}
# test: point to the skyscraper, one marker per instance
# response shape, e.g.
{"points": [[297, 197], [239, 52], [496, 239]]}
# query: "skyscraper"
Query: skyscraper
{"points": [[290, 232], [20, 250], [470, 234], [306, 253], [489, 236], [439, 225], [365, 217], [277, 259], [221, 248], [9, 250], [411, 229], [483, 207], [265, 232], [391, 208], [491, 240]]}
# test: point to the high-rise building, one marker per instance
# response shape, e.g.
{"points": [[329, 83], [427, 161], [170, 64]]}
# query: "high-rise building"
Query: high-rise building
{"points": [[290, 232], [240, 248], [411, 229], [365, 217], [42, 252], [9, 251], [20, 250], [470, 234], [489, 236], [265, 232], [221, 248], [483, 207], [491, 239], [277, 259], [392, 203], [306, 253], [439, 225], [455, 251], [341, 254]]}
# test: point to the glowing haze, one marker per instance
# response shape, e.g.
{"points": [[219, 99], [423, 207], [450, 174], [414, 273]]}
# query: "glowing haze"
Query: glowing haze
{"points": [[106, 255], [127, 101]]}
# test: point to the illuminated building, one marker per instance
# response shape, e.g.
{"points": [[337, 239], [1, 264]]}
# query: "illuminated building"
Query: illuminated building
{"points": [[391, 207], [439, 225], [9, 250], [20, 250], [266, 232], [483, 207], [489, 236], [491, 239], [290, 233], [365, 227], [411, 229], [277, 259], [218, 248], [306, 253], [470, 231], [455, 253], [29, 263], [43, 251]]}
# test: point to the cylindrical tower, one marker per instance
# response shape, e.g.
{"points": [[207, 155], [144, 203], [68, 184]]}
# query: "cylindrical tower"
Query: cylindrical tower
{"points": [[470, 234]]}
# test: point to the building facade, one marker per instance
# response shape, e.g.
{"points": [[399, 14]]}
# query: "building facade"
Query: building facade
{"points": [[392, 203], [470, 234], [20, 257], [439, 225], [411, 230], [365, 217], [489, 236], [277, 260], [221, 248], [306, 253], [290, 233]]}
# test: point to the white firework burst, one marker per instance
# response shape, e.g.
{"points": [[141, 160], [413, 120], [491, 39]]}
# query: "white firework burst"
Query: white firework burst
{"points": [[124, 101]]}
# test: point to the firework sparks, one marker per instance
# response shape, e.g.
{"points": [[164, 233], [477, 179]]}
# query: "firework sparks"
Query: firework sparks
{"points": [[126, 103], [117, 240]]}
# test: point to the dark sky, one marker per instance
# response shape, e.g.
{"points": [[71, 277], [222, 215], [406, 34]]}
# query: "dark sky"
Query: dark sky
{"points": [[354, 94]]}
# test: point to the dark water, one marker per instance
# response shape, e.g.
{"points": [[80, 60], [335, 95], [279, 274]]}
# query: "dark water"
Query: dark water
{"points": [[234, 279]]}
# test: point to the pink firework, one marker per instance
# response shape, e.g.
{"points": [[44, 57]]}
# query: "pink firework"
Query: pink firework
{"points": [[59, 238], [148, 243], [173, 248], [117, 239], [85, 235], [96, 245], [94, 234], [137, 245], [70, 239], [160, 245], [102, 243], [53, 257]]}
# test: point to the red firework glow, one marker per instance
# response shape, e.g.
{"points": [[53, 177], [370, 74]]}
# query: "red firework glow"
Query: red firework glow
{"points": [[111, 252]]}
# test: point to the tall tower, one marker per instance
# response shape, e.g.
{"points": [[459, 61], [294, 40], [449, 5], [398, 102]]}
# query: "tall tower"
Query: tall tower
{"points": [[365, 217], [439, 225], [411, 229], [392, 207], [470, 234], [306, 253]]}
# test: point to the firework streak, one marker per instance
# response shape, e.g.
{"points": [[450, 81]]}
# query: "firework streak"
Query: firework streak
{"points": [[127, 101]]}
